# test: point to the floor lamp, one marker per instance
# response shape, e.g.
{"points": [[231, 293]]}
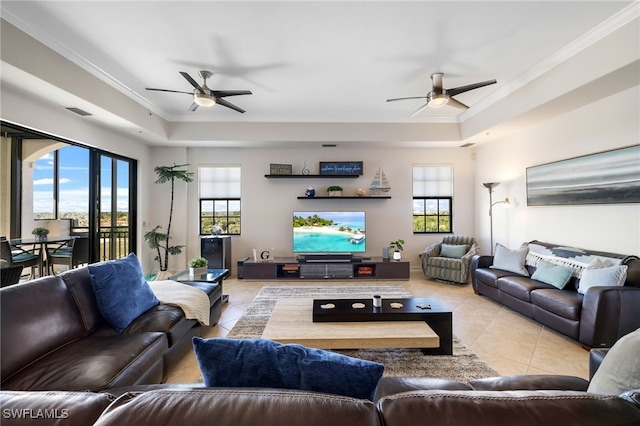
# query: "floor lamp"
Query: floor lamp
{"points": [[490, 186]]}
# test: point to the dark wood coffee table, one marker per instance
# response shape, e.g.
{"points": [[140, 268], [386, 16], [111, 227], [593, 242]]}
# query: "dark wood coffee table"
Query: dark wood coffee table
{"points": [[429, 310]]}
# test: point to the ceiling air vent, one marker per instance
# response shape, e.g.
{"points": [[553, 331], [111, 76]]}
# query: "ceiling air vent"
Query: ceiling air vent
{"points": [[78, 111], [467, 145]]}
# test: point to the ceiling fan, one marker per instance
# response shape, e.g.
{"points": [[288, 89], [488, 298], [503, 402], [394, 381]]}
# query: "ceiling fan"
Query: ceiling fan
{"points": [[439, 97], [205, 97]]}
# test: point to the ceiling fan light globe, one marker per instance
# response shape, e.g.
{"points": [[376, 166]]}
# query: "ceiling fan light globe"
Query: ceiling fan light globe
{"points": [[438, 101], [204, 100]]}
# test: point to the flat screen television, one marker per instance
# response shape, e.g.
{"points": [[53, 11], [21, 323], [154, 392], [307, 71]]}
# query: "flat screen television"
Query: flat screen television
{"points": [[329, 232]]}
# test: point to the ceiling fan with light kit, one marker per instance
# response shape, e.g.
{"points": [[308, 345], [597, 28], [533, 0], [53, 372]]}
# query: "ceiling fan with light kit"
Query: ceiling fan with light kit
{"points": [[439, 96], [205, 97]]}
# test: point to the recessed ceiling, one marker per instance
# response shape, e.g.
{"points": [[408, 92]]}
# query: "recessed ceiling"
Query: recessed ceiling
{"points": [[309, 62]]}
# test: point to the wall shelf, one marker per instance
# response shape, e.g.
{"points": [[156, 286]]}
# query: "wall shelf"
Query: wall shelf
{"points": [[378, 197], [311, 176]]}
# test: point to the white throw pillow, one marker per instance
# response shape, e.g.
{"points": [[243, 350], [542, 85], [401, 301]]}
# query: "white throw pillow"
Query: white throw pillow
{"points": [[510, 260], [613, 276], [620, 368]]}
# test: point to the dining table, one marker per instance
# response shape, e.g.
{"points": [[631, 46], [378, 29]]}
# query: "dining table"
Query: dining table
{"points": [[42, 244]]}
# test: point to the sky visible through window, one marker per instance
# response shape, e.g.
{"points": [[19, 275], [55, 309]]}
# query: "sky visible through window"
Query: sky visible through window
{"points": [[74, 183]]}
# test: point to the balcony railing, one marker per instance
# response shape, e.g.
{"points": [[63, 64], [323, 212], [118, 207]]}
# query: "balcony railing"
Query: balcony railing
{"points": [[114, 241]]}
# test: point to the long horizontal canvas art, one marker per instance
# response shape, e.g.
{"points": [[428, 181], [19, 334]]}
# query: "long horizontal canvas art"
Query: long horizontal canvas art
{"points": [[610, 177]]}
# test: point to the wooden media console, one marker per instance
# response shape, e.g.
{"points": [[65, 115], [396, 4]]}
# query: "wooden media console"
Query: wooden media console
{"points": [[289, 268]]}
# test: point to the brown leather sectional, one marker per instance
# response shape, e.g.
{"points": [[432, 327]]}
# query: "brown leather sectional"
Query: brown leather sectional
{"points": [[596, 319], [53, 337], [63, 364], [522, 400]]}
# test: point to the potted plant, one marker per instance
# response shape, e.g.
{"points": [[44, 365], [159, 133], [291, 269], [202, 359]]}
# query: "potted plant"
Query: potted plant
{"points": [[396, 247], [40, 233], [197, 266], [334, 191], [157, 240]]}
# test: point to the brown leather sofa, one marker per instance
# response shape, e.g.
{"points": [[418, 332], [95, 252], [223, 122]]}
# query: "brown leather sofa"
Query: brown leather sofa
{"points": [[523, 400], [596, 319], [53, 337]]}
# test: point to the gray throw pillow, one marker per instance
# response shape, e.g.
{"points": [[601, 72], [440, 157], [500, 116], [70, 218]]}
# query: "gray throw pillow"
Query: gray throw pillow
{"points": [[620, 368], [511, 260]]}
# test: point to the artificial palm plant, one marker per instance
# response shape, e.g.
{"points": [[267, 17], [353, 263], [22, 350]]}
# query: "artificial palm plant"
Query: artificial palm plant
{"points": [[157, 240]]}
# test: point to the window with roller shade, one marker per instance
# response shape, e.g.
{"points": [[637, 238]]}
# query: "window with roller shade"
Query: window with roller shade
{"points": [[219, 193]]}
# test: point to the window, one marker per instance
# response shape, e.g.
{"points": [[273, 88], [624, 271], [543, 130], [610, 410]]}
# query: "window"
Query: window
{"points": [[219, 188], [44, 187], [432, 199]]}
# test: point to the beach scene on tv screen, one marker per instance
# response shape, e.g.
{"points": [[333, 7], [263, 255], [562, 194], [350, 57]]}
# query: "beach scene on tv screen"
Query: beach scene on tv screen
{"points": [[328, 232]]}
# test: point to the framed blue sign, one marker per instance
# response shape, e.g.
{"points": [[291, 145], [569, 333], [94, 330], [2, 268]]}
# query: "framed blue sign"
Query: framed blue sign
{"points": [[341, 168]]}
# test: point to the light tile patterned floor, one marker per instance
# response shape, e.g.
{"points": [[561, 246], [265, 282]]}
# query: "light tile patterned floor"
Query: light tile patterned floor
{"points": [[509, 342]]}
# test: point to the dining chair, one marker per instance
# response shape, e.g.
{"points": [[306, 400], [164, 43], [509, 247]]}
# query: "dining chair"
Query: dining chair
{"points": [[76, 255], [19, 256], [10, 275]]}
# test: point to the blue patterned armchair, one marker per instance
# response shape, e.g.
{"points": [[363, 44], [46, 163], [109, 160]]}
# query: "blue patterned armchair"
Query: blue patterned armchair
{"points": [[450, 259]]}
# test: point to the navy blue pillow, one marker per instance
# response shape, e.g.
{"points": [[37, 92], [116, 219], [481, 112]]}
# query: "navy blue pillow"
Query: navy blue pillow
{"points": [[264, 363], [121, 291]]}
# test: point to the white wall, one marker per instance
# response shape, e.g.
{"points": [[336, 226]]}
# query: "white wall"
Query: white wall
{"points": [[609, 124], [267, 204]]}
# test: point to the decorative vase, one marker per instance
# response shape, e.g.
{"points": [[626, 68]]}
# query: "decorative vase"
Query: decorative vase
{"points": [[397, 255], [335, 193], [41, 238], [385, 253], [196, 272], [310, 192]]}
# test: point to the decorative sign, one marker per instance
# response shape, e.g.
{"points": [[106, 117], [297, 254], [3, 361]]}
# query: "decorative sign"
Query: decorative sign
{"points": [[280, 169], [341, 167]]}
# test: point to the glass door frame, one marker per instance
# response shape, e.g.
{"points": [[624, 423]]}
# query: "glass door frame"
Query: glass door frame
{"points": [[17, 134]]}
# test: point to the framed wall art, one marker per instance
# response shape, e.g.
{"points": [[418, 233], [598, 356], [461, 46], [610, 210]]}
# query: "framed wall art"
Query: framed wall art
{"points": [[610, 177], [341, 168]]}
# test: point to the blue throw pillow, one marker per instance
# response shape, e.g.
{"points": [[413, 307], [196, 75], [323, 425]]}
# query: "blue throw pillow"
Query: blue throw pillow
{"points": [[453, 251], [121, 291], [555, 275], [263, 363]]}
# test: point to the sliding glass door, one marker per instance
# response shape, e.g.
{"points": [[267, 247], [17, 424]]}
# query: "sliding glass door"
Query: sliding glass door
{"points": [[114, 207], [72, 190]]}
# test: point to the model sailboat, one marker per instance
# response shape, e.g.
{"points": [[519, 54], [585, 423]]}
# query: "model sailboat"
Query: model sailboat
{"points": [[380, 183]]}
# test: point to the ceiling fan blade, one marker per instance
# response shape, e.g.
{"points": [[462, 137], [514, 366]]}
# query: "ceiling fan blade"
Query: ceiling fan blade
{"points": [[171, 91], [224, 93], [462, 89], [229, 105], [455, 103], [192, 81], [419, 110], [402, 99], [193, 107]]}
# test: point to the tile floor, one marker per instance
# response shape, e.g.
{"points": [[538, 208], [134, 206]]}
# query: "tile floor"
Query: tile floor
{"points": [[509, 342]]}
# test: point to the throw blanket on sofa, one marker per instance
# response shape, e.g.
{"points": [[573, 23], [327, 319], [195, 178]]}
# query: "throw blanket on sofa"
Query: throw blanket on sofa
{"points": [[194, 302], [571, 257]]}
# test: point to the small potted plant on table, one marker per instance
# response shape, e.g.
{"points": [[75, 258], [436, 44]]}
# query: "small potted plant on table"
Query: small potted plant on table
{"points": [[396, 248], [40, 233], [334, 191], [197, 266]]}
